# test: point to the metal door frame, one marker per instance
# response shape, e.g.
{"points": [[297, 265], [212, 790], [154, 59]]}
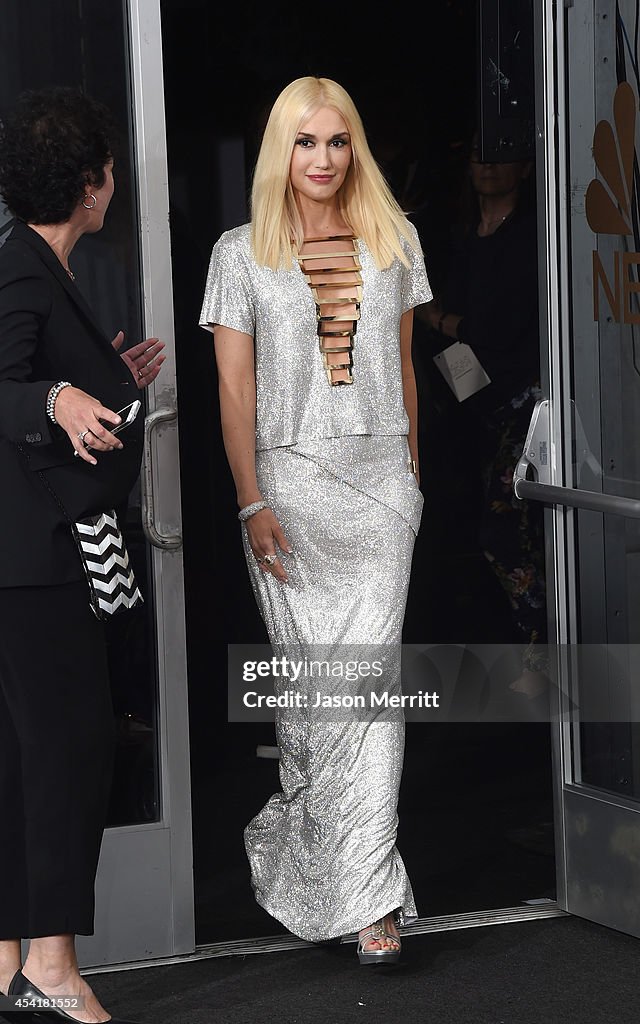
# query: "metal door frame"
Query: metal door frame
{"points": [[144, 888], [577, 806]]}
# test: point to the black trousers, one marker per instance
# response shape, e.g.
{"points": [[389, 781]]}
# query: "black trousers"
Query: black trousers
{"points": [[57, 738]]}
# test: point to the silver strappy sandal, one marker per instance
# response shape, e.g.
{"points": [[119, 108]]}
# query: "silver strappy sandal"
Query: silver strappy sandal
{"points": [[377, 933]]}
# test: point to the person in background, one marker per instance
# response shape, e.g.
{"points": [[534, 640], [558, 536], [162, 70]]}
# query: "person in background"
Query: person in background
{"points": [[62, 383], [489, 300], [319, 423]]}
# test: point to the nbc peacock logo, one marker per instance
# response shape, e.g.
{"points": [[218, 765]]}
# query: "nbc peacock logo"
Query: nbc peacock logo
{"points": [[609, 205]]}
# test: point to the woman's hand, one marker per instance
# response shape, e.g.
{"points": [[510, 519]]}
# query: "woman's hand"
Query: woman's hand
{"points": [[440, 321], [265, 534], [80, 414], [144, 360]]}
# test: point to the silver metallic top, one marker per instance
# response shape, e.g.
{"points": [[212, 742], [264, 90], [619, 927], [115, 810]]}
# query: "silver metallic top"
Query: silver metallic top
{"points": [[276, 307]]}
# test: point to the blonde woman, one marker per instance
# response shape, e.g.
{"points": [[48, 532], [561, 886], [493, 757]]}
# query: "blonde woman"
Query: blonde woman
{"points": [[311, 307]]}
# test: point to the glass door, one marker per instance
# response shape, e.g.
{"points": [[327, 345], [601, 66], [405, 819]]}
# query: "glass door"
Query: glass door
{"points": [[581, 456], [144, 898]]}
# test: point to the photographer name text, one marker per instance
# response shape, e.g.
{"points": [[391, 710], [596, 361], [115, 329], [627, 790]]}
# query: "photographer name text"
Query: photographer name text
{"points": [[295, 699]]}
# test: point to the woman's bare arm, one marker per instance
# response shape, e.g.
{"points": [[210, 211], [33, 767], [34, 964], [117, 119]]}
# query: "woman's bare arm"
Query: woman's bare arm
{"points": [[409, 385], [237, 390]]}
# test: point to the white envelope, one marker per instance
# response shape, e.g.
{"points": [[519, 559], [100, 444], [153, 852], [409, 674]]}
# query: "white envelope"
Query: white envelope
{"points": [[462, 370]]}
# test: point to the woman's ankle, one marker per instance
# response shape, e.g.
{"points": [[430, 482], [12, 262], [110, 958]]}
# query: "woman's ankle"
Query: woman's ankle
{"points": [[52, 960]]}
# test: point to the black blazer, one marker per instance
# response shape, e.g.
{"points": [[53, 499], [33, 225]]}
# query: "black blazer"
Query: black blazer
{"points": [[48, 334]]}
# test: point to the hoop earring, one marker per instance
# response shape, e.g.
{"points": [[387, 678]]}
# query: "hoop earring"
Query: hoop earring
{"points": [[91, 196]]}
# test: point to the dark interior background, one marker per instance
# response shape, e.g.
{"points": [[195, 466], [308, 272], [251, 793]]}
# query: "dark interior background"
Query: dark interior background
{"points": [[475, 812]]}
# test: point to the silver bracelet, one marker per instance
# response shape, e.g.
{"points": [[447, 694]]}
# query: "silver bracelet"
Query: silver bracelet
{"points": [[250, 510], [51, 399]]}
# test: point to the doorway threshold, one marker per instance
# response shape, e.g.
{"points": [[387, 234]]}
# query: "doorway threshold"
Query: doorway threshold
{"points": [[279, 943]]}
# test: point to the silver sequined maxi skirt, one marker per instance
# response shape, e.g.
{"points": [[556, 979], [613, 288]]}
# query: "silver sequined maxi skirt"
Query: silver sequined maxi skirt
{"points": [[322, 851]]}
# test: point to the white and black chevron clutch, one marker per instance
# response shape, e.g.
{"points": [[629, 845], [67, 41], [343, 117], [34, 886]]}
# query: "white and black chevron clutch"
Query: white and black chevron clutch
{"points": [[104, 555], [106, 562]]}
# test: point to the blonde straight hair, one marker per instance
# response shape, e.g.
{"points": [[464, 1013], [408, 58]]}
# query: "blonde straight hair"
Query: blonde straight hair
{"points": [[365, 200]]}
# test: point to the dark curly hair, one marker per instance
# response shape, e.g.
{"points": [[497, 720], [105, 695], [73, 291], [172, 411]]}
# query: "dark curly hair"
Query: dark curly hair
{"points": [[52, 143]]}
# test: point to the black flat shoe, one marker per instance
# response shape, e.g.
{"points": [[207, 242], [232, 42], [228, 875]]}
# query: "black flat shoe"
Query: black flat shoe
{"points": [[24, 989], [13, 1016], [8, 1012]]}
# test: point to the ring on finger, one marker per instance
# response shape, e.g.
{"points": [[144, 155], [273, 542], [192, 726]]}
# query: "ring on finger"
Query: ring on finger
{"points": [[269, 559], [83, 434], [140, 374]]}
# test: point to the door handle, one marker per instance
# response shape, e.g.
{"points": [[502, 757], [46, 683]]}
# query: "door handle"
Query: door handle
{"points": [[165, 541], [536, 457]]}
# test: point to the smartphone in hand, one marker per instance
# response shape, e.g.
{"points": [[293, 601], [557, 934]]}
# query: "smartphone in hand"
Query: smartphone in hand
{"points": [[127, 415]]}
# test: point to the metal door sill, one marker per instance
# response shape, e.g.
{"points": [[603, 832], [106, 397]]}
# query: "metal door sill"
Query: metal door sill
{"points": [[280, 943]]}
